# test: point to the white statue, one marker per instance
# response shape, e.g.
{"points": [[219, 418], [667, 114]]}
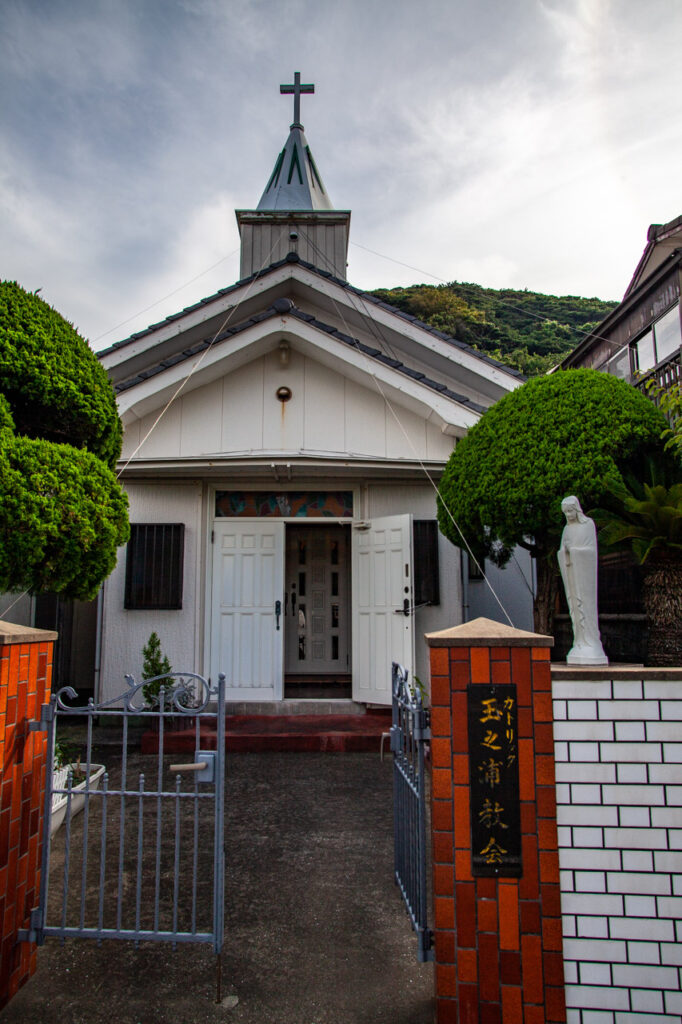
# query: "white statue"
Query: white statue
{"points": [[578, 563]]}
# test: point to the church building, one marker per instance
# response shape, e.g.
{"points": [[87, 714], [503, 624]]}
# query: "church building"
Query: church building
{"points": [[283, 441]]}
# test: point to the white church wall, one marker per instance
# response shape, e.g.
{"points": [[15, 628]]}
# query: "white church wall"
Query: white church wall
{"points": [[201, 420], [512, 587], [327, 412], [17, 608], [125, 632], [241, 409], [325, 401]]}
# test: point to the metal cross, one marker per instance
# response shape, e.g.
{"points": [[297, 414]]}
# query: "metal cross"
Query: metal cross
{"points": [[297, 89]]}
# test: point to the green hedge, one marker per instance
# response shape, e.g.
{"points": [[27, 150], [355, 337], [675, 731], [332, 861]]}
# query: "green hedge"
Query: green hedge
{"points": [[566, 433], [56, 388], [62, 517]]}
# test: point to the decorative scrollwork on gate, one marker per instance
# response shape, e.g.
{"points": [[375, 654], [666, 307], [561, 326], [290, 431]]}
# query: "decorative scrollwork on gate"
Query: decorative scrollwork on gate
{"points": [[187, 692]]}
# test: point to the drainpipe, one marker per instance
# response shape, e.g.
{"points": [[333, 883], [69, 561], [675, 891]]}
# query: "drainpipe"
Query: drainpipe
{"points": [[464, 567], [98, 642]]}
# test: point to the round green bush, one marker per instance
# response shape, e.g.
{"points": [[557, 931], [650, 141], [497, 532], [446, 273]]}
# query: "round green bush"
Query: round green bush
{"points": [[54, 384], [566, 433], [62, 517]]}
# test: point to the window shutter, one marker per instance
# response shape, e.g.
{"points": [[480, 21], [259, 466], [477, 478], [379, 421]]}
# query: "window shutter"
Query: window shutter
{"points": [[426, 566]]}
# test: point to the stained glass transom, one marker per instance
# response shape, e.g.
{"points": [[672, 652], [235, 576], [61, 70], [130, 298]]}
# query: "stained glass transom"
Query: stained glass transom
{"points": [[297, 504]]}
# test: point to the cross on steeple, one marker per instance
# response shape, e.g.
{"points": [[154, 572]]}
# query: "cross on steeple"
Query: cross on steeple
{"points": [[297, 89]]}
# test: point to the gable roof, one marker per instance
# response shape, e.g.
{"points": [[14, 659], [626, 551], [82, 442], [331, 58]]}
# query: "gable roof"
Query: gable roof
{"points": [[293, 258], [324, 318], [663, 240], [279, 308]]}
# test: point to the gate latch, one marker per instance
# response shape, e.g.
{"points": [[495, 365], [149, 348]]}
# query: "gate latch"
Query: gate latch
{"points": [[203, 765]]}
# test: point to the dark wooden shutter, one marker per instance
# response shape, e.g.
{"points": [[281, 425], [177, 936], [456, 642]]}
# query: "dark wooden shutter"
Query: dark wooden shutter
{"points": [[154, 566], [426, 567]]}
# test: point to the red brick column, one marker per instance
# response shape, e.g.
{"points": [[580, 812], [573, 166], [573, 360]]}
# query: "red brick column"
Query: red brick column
{"points": [[498, 940], [25, 678]]}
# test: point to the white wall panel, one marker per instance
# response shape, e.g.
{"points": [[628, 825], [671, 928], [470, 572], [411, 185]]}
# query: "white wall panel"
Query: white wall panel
{"points": [[126, 632], [326, 413], [438, 444], [324, 428], [405, 434], [164, 439], [283, 421], [365, 425], [131, 439], [202, 414], [243, 409]]}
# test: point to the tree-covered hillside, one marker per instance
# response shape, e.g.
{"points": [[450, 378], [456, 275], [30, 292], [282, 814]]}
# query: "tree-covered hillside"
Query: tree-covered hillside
{"points": [[527, 330]]}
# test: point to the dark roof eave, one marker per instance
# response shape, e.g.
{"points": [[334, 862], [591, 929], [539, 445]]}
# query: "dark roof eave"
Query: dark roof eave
{"points": [[371, 353], [294, 258]]}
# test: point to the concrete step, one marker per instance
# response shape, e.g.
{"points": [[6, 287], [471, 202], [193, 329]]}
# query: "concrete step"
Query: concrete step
{"points": [[299, 706], [249, 733]]}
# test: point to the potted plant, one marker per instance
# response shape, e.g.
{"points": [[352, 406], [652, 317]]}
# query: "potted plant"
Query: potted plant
{"points": [[67, 762], [157, 668]]}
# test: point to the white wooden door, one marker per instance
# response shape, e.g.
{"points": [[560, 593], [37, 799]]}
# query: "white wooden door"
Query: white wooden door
{"points": [[246, 631], [382, 593]]}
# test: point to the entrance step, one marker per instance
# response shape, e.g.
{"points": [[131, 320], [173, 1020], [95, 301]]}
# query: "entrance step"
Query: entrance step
{"points": [[300, 706], [332, 733]]}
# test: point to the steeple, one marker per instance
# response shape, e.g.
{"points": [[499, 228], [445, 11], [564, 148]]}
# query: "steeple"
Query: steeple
{"points": [[295, 213], [295, 183]]}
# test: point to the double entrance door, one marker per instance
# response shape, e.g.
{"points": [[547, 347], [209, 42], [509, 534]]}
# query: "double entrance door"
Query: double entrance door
{"points": [[292, 603]]}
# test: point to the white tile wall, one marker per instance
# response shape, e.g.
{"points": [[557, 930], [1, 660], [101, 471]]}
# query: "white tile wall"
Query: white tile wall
{"points": [[618, 754]]}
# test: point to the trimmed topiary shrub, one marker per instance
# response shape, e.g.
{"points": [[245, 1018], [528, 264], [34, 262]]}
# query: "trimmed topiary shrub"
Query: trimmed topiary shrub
{"points": [[571, 432], [54, 384], [62, 517], [62, 511]]}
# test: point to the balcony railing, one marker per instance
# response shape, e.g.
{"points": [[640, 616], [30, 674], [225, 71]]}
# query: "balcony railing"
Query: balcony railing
{"points": [[666, 375]]}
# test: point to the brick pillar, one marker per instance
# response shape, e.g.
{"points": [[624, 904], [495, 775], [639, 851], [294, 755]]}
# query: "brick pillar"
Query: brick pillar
{"points": [[498, 939], [25, 678]]}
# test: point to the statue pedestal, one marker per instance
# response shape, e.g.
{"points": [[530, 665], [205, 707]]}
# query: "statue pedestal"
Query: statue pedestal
{"points": [[587, 656]]}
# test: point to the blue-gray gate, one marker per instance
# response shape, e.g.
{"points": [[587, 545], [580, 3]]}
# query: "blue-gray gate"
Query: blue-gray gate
{"points": [[133, 857], [410, 731]]}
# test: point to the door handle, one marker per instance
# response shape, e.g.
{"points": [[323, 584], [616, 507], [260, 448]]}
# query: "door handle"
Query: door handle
{"points": [[405, 610], [278, 612]]}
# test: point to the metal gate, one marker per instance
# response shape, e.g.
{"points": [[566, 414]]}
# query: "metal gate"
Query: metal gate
{"points": [[134, 857], [410, 732]]}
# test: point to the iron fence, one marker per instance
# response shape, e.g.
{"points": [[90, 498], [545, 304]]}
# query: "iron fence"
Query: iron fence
{"points": [[410, 732]]}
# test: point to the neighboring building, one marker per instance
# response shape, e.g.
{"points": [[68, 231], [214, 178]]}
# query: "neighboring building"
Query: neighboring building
{"points": [[640, 341], [282, 439], [641, 338]]}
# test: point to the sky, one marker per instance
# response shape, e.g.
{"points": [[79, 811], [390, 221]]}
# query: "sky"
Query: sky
{"points": [[510, 143]]}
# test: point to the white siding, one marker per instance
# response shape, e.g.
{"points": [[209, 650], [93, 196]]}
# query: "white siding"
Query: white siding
{"points": [[126, 632], [326, 413]]}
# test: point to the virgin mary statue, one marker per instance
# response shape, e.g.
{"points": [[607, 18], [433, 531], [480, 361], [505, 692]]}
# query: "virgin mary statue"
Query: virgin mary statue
{"points": [[577, 557]]}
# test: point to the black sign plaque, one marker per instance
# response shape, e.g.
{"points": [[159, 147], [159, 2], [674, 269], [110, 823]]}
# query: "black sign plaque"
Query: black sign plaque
{"points": [[494, 781]]}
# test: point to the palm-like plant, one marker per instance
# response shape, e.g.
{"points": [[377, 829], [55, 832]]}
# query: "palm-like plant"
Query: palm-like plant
{"points": [[646, 517]]}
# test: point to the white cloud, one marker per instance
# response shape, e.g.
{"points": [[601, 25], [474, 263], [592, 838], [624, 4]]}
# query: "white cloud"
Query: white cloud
{"points": [[525, 143]]}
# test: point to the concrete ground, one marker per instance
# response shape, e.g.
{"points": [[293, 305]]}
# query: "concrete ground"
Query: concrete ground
{"points": [[316, 931]]}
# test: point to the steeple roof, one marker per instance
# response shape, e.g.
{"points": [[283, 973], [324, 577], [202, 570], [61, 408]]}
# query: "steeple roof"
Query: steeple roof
{"points": [[295, 183]]}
